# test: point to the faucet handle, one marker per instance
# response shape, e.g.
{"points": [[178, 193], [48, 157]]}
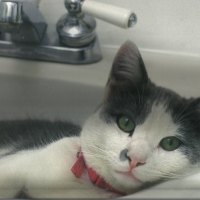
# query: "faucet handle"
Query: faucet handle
{"points": [[10, 12], [115, 15]]}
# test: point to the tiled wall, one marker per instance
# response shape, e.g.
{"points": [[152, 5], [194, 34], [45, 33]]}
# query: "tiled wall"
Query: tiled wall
{"points": [[172, 25]]}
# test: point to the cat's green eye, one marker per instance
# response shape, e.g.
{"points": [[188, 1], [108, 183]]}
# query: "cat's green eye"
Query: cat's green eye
{"points": [[126, 124], [170, 143]]}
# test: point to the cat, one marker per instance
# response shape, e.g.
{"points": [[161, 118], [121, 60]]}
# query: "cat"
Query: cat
{"points": [[141, 134]]}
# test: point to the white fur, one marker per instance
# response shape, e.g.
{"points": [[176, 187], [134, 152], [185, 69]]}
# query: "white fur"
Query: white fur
{"points": [[102, 148], [46, 172]]}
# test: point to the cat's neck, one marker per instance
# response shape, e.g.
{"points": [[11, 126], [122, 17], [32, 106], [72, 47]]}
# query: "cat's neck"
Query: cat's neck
{"points": [[80, 167]]}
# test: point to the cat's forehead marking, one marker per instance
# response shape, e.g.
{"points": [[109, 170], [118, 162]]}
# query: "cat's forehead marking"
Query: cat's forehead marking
{"points": [[157, 125]]}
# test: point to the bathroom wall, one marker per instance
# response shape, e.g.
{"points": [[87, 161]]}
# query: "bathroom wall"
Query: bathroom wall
{"points": [[169, 25]]}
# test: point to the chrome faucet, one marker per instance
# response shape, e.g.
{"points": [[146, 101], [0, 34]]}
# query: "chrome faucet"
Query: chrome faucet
{"points": [[22, 21], [10, 12], [24, 32], [75, 28]]}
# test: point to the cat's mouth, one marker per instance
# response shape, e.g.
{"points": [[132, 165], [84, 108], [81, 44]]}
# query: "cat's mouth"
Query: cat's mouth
{"points": [[129, 175]]}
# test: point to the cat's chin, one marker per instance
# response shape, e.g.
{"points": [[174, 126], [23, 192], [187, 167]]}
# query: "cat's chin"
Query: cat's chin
{"points": [[128, 179], [128, 175]]}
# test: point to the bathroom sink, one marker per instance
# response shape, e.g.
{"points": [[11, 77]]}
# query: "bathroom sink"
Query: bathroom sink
{"points": [[48, 90], [59, 91], [23, 97], [33, 89]]}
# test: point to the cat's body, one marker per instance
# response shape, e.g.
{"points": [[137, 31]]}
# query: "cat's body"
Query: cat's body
{"points": [[16, 135], [36, 161], [140, 134]]}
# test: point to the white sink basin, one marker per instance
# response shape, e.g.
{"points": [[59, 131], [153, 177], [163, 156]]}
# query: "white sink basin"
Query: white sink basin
{"points": [[58, 91]]}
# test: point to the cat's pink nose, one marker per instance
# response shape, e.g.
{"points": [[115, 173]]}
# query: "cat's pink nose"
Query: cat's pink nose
{"points": [[135, 163]]}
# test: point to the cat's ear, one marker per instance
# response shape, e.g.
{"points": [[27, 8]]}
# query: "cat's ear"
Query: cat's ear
{"points": [[128, 67]]}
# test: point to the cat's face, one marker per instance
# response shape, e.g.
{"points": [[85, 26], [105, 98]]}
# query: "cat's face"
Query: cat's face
{"points": [[141, 133]]}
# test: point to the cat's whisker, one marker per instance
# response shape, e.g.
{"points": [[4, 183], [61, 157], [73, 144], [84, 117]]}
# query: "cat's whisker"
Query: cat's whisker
{"points": [[109, 161], [179, 117], [183, 116], [108, 158], [163, 174], [182, 110], [101, 149], [96, 155]]}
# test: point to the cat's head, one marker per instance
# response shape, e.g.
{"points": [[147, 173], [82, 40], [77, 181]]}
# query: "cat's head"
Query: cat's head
{"points": [[141, 133]]}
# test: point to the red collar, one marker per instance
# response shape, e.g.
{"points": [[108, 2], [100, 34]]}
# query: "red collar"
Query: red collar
{"points": [[80, 166]]}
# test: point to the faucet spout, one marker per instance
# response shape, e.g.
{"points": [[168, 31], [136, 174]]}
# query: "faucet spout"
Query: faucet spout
{"points": [[22, 20], [10, 12]]}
